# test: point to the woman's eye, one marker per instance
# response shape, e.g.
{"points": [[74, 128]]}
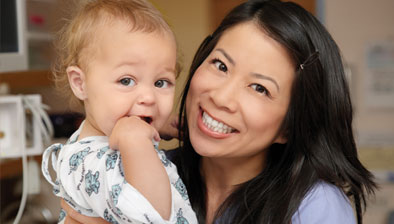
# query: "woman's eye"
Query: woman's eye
{"points": [[127, 82], [220, 65], [162, 83], [260, 89]]}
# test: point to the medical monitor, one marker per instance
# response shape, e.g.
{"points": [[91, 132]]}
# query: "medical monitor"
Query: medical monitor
{"points": [[13, 49]]}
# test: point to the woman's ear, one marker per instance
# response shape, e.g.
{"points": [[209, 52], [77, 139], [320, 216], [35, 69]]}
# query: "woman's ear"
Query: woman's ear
{"points": [[76, 78], [281, 139]]}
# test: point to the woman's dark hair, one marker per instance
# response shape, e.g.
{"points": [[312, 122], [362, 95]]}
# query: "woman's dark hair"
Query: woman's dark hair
{"points": [[318, 124]]}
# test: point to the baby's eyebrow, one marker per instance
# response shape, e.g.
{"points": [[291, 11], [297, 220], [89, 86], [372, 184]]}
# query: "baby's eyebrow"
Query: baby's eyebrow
{"points": [[125, 63], [171, 70], [260, 76], [226, 55]]}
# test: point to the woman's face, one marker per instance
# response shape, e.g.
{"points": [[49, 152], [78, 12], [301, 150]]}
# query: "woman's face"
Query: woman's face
{"points": [[239, 95]]}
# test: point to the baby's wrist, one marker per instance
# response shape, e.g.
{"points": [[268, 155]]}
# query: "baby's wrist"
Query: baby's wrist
{"points": [[135, 144]]}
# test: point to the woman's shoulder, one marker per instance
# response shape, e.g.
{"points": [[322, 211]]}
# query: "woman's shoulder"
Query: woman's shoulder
{"points": [[324, 203]]}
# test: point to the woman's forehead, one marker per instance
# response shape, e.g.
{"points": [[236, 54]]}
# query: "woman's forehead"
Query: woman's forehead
{"points": [[248, 40]]}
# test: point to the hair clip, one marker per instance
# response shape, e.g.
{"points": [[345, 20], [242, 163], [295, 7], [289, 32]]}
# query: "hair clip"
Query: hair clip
{"points": [[310, 60]]}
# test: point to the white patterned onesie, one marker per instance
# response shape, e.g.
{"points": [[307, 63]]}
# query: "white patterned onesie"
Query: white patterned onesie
{"points": [[90, 179]]}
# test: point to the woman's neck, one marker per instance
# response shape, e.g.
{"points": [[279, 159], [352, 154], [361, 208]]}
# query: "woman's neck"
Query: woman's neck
{"points": [[222, 176]]}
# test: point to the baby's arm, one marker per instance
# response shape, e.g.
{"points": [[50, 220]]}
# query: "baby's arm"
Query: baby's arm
{"points": [[142, 167], [74, 217]]}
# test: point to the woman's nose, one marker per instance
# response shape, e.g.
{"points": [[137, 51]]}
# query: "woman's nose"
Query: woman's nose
{"points": [[224, 95]]}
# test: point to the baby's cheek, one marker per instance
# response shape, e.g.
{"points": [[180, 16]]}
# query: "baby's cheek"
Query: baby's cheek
{"points": [[159, 123]]}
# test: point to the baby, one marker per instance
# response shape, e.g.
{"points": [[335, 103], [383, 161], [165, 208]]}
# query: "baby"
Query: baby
{"points": [[118, 58]]}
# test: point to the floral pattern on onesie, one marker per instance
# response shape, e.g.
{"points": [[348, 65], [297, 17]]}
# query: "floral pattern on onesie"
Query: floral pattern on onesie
{"points": [[90, 178]]}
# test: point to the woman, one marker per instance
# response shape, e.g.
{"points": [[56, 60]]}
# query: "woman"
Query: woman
{"points": [[267, 134]]}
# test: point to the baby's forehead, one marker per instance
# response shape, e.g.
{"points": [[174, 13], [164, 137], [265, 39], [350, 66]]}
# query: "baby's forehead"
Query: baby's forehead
{"points": [[110, 26], [107, 34]]}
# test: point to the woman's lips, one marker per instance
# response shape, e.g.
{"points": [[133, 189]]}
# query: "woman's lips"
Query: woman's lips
{"points": [[212, 127]]}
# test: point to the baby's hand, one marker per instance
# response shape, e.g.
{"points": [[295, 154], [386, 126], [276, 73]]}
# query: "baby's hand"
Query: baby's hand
{"points": [[131, 129]]}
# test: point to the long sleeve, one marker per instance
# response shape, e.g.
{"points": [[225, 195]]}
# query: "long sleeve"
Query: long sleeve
{"points": [[324, 204]]}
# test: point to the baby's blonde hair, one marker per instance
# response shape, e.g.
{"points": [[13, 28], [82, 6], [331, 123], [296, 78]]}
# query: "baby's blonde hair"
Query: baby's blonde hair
{"points": [[78, 33]]}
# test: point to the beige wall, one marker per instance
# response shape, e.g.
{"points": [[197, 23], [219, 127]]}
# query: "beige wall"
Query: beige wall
{"points": [[355, 24], [190, 22]]}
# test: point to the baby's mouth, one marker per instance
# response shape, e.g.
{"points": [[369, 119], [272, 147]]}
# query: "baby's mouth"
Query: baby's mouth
{"points": [[146, 119]]}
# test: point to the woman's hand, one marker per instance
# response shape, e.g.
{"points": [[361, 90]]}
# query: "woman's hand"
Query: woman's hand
{"points": [[73, 217], [170, 128]]}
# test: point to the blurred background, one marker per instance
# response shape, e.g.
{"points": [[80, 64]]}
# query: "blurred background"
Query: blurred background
{"points": [[363, 29]]}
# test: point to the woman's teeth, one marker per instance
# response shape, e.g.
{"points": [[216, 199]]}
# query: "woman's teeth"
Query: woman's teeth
{"points": [[215, 125]]}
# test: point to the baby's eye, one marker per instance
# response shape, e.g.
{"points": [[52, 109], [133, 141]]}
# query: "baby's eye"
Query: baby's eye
{"points": [[127, 82], [219, 65], [162, 83], [260, 89]]}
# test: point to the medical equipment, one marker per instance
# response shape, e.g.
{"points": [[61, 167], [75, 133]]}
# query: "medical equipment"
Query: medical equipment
{"points": [[24, 129]]}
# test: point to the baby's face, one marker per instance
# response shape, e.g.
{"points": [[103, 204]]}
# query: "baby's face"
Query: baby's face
{"points": [[131, 74]]}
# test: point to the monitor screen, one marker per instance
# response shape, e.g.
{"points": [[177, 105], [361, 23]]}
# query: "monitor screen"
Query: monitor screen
{"points": [[8, 26], [13, 51]]}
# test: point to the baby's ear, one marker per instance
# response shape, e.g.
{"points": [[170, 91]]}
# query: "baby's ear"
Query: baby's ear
{"points": [[76, 78]]}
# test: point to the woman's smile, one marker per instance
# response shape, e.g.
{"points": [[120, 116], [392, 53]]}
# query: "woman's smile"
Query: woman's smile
{"points": [[213, 127]]}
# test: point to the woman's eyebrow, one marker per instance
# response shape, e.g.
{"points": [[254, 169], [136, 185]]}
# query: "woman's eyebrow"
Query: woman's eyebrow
{"points": [[260, 76], [226, 55]]}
